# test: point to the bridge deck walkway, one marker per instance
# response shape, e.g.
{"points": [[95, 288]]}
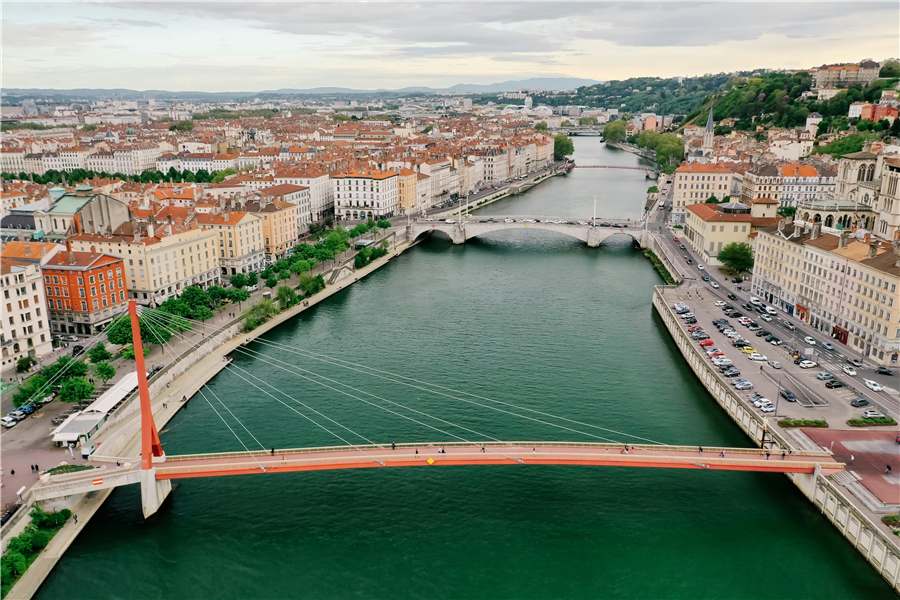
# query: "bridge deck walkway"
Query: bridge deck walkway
{"points": [[405, 455]]}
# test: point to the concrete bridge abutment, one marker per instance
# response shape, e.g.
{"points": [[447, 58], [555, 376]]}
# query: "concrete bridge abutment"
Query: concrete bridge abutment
{"points": [[153, 492]]}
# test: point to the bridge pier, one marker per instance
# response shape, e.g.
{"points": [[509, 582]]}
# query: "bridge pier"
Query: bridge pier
{"points": [[458, 234], [153, 492]]}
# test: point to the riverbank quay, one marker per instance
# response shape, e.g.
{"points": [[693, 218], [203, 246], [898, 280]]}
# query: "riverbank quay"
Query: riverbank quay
{"points": [[832, 495]]}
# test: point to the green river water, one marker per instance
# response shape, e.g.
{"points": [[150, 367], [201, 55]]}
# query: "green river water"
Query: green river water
{"points": [[526, 317]]}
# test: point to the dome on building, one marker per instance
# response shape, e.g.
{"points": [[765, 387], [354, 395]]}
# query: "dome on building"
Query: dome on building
{"points": [[130, 131], [734, 208]]}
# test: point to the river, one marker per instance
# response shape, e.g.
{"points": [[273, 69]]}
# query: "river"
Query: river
{"points": [[526, 317]]}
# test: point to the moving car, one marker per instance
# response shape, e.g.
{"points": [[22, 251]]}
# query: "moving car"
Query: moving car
{"points": [[699, 266], [675, 239], [682, 246], [706, 342], [855, 362], [732, 297], [824, 376], [873, 385], [449, 221], [758, 356], [884, 371], [827, 346], [705, 277], [766, 318], [809, 341], [807, 364], [788, 395], [771, 310], [774, 364], [714, 285], [755, 301], [788, 324], [69, 338], [849, 371]]}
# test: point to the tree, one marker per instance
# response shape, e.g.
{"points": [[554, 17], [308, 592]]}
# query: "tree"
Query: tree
{"points": [[614, 132], [562, 147], [104, 371], [787, 211], [238, 280], [238, 295], [712, 200], [68, 366], [566, 123], [151, 332], [128, 353], [890, 70], [24, 363], [99, 353], [90, 127], [271, 282], [76, 389], [737, 256], [428, 129], [29, 390], [221, 175], [202, 313], [587, 121], [184, 126], [895, 128], [286, 297], [541, 126]]}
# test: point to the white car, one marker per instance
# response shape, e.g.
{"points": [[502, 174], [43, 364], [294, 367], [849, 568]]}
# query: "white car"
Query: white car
{"points": [[766, 318], [807, 364], [714, 285], [8, 422], [251, 288], [761, 402], [873, 385], [744, 320], [757, 356], [774, 364], [809, 341], [449, 221], [722, 362], [849, 371], [743, 385], [755, 301], [767, 408], [720, 303], [872, 414], [700, 267], [429, 219], [771, 310]]}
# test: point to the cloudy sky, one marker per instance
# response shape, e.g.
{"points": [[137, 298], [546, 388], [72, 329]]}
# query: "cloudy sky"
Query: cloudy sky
{"points": [[252, 46]]}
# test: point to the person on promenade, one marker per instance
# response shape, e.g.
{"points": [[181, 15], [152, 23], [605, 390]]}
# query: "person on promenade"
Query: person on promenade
{"points": [[887, 470], [701, 449], [417, 451], [393, 446], [722, 453], [12, 472], [782, 455], [482, 448], [767, 455]]}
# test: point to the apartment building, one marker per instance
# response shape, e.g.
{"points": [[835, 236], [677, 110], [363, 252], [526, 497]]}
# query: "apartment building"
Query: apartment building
{"points": [[830, 76], [876, 321], [361, 194], [710, 227], [408, 187], [778, 254], [160, 260], [26, 327], [279, 224], [297, 195], [240, 240], [788, 184], [695, 182], [321, 198], [85, 291]]}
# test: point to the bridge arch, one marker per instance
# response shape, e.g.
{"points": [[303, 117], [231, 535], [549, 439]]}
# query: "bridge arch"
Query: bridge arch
{"points": [[460, 233]]}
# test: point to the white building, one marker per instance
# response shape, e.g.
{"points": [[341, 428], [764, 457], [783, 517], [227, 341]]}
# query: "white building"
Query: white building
{"points": [[365, 194]]}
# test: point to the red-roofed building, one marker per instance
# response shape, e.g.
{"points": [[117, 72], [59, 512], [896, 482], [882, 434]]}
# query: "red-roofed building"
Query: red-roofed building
{"points": [[710, 227], [695, 182], [85, 291]]}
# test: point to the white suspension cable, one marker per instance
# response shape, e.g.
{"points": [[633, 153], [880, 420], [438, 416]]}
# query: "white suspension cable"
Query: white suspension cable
{"points": [[376, 373]]}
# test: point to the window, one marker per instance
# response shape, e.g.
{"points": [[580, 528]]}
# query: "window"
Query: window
{"points": [[84, 306]]}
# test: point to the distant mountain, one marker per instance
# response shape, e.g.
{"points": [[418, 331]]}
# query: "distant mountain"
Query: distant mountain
{"points": [[553, 83]]}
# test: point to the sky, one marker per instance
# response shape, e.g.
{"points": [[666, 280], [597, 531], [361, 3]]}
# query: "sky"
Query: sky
{"points": [[255, 46]]}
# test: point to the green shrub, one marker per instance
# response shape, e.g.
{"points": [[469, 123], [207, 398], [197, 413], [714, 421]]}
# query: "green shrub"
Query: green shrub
{"points": [[68, 469]]}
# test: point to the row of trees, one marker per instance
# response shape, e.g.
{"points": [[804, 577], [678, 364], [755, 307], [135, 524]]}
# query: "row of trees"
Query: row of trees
{"points": [[669, 147], [53, 176], [22, 549], [71, 375]]}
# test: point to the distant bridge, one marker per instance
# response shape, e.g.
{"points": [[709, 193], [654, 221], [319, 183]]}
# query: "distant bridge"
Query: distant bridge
{"points": [[460, 232]]}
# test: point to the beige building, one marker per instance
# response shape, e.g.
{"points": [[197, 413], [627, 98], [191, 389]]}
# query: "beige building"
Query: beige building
{"points": [[778, 254], [875, 324], [710, 227], [408, 182], [240, 240], [160, 260], [279, 224], [26, 326], [695, 183], [887, 223]]}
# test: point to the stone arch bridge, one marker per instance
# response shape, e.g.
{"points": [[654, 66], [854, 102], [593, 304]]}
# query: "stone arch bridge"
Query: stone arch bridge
{"points": [[592, 235]]}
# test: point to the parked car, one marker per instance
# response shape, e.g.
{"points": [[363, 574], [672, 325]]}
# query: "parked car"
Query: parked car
{"points": [[824, 376], [699, 266], [18, 415], [766, 318], [743, 386], [758, 356], [767, 408], [855, 362], [706, 342], [884, 371], [252, 288], [8, 422], [720, 303], [788, 395], [859, 402], [808, 364], [27, 408], [834, 384], [849, 371], [871, 413], [873, 385], [714, 285], [69, 338], [809, 341], [731, 373], [737, 280], [748, 350], [755, 301], [774, 364]]}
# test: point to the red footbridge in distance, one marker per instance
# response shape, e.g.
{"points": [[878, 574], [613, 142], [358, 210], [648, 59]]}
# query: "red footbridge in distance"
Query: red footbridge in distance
{"points": [[154, 470]]}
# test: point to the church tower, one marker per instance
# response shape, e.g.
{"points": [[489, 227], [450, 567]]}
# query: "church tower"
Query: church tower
{"points": [[708, 134]]}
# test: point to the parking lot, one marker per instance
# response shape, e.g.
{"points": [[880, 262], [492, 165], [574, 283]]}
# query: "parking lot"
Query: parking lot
{"points": [[812, 399]]}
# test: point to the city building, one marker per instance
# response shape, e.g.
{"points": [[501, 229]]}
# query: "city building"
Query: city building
{"points": [[361, 194], [695, 182], [710, 227], [85, 291], [240, 240]]}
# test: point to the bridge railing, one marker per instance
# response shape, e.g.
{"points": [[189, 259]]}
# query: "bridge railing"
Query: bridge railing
{"points": [[493, 457], [707, 450]]}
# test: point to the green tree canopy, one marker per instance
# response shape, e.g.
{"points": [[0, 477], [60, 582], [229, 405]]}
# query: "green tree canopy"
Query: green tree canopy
{"points": [[151, 332], [287, 297], [238, 295], [76, 389], [890, 69], [562, 147], [614, 132], [104, 371], [737, 256], [541, 126], [99, 353], [238, 280], [184, 126], [30, 389]]}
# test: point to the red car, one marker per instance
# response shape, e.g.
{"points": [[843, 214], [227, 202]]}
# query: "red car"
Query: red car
{"points": [[675, 238], [694, 328], [706, 342]]}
